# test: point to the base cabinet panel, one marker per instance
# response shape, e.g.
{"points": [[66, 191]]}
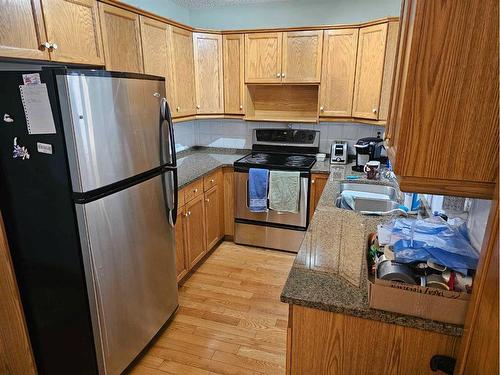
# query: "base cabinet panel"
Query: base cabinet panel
{"points": [[181, 260], [323, 342]]}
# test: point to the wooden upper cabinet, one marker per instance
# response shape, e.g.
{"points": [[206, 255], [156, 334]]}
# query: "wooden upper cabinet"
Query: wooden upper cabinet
{"points": [[209, 85], [302, 52], [234, 68], [73, 25], [443, 119], [156, 52], [339, 67], [263, 57], [121, 38], [183, 72], [22, 31], [369, 71]]}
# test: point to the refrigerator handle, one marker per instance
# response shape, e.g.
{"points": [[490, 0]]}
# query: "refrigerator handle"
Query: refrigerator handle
{"points": [[171, 190]]}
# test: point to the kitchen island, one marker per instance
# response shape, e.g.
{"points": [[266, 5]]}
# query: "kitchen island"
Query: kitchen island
{"points": [[327, 290]]}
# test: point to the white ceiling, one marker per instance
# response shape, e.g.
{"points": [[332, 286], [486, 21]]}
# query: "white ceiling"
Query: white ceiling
{"points": [[198, 4]]}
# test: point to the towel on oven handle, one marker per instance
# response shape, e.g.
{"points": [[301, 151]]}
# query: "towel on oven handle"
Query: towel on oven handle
{"points": [[258, 183]]}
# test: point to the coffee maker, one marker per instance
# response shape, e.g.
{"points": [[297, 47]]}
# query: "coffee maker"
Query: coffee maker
{"points": [[367, 149]]}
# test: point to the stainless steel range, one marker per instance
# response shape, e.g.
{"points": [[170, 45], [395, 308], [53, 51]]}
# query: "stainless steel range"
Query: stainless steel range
{"points": [[275, 149]]}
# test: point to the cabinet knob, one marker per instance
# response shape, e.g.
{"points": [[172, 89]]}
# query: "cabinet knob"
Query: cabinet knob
{"points": [[189, 213], [241, 107], [197, 107], [374, 110], [212, 181], [322, 109], [178, 109], [282, 75], [278, 75], [45, 45], [53, 45], [207, 200], [313, 181], [195, 190], [186, 214]]}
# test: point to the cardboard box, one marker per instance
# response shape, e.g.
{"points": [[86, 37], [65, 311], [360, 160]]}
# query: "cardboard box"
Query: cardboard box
{"points": [[423, 302]]}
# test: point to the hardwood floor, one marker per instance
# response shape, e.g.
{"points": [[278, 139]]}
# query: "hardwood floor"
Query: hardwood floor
{"points": [[230, 319]]}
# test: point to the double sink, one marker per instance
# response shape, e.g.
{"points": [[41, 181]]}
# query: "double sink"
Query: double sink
{"points": [[367, 198]]}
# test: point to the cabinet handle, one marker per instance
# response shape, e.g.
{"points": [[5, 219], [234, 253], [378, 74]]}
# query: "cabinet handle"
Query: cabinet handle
{"points": [[186, 214], [207, 200], [45, 45], [53, 45], [197, 107], [189, 213], [322, 109], [278, 75], [195, 190], [282, 75], [374, 110], [178, 109], [241, 107], [212, 181], [313, 181]]}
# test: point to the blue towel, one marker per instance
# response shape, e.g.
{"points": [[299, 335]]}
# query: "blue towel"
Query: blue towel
{"points": [[258, 182]]}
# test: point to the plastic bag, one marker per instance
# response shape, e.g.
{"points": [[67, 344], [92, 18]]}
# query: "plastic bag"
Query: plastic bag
{"points": [[433, 239]]}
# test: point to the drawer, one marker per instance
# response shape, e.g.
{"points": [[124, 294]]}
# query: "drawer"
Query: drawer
{"points": [[193, 190], [214, 178]]}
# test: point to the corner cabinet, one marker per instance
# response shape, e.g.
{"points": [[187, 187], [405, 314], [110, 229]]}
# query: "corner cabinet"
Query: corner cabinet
{"points": [[234, 68], [121, 37], [208, 74], [183, 72], [442, 133]]}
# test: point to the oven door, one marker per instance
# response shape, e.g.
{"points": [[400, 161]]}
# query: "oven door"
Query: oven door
{"points": [[298, 219]]}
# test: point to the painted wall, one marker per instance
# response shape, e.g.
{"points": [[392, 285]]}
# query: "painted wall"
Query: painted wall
{"points": [[293, 13], [164, 8], [276, 14]]}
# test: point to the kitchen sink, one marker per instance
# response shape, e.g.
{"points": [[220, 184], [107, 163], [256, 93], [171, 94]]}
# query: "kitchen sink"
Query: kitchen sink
{"points": [[374, 198]]}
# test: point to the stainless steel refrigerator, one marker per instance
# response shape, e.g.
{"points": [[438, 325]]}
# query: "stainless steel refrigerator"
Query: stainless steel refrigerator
{"points": [[89, 199]]}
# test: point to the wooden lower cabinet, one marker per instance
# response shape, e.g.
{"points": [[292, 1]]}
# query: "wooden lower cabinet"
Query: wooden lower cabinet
{"points": [[195, 230], [321, 342], [212, 217], [228, 206], [318, 182], [181, 259]]}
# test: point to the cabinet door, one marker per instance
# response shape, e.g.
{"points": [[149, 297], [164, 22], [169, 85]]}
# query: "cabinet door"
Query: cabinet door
{"points": [[339, 67], [263, 57], [121, 38], [369, 71], [22, 30], [183, 71], [228, 201], [195, 230], [318, 182], [302, 52], [156, 47], [181, 261], [212, 217], [208, 73], [234, 67], [73, 25]]}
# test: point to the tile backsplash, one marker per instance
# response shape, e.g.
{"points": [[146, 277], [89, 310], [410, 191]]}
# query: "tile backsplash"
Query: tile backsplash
{"points": [[228, 133]]}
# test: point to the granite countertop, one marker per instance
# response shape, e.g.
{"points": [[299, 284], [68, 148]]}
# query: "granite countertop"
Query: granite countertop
{"points": [[196, 162], [330, 271]]}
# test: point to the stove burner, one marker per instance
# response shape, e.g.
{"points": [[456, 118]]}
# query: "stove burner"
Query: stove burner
{"points": [[273, 160]]}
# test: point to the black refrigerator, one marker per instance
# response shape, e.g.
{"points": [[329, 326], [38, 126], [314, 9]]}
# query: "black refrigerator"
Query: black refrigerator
{"points": [[89, 196]]}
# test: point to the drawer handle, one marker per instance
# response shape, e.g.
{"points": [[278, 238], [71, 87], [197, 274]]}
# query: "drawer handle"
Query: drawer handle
{"points": [[195, 190], [207, 200], [212, 181]]}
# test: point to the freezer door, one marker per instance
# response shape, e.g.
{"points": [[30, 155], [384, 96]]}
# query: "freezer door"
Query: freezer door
{"points": [[112, 127], [129, 258]]}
